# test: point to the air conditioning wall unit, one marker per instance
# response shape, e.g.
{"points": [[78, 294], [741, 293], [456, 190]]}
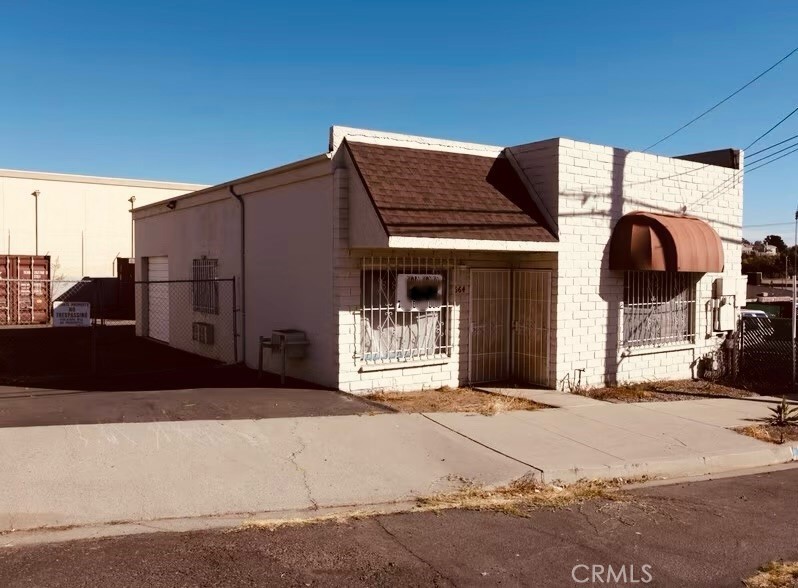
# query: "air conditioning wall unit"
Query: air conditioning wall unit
{"points": [[202, 333]]}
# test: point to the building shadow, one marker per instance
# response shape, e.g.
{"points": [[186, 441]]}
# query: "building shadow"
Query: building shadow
{"points": [[611, 283]]}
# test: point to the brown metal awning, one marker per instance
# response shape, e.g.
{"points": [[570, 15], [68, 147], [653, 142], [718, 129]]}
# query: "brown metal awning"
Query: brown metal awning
{"points": [[664, 242]]}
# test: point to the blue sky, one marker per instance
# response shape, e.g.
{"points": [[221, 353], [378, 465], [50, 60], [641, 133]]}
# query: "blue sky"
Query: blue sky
{"points": [[207, 91]]}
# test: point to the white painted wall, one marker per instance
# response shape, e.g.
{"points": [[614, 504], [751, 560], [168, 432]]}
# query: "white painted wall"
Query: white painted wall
{"points": [[289, 271], [288, 260], [184, 234], [84, 221]]}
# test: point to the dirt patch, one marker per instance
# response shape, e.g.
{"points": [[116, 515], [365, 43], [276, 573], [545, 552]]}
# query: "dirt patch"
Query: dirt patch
{"points": [[453, 400], [667, 391], [776, 574], [770, 433]]}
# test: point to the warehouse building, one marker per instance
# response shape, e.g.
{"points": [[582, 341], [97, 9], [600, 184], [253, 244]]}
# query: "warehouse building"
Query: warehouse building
{"points": [[409, 262], [83, 223]]}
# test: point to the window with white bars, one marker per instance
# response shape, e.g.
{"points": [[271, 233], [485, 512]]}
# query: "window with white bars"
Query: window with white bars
{"points": [[406, 306], [205, 289], [659, 308]]}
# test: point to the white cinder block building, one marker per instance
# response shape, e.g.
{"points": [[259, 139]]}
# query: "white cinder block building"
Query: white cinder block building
{"points": [[412, 262], [82, 222]]}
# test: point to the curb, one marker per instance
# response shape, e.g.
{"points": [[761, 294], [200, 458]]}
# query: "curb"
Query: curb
{"points": [[699, 465]]}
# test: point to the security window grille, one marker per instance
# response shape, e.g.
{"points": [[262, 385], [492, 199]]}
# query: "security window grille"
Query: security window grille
{"points": [[401, 318], [205, 289], [658, 308]]}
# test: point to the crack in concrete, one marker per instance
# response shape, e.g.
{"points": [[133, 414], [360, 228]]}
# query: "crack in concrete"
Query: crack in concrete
{"points": [[589, 521], [396, 540], [293, 459]]}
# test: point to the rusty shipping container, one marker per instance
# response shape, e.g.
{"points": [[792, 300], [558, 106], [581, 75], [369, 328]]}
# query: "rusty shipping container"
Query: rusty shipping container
{"points": [[25, 297]]}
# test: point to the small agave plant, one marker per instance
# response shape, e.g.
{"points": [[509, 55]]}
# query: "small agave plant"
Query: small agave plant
{"points": [[783, 414]]}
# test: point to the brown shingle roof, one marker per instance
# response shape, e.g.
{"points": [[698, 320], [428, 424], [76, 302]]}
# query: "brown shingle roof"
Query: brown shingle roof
{"points": [[422, 193]]}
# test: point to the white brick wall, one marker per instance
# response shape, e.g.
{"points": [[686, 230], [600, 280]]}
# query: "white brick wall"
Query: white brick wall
{"points": [[588, 188], [598, 185]]}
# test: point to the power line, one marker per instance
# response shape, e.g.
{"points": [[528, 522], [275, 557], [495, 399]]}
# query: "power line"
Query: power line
{"points": [[726, 99], [768, 148], [770, 130], [764, 157], [737, 175], [722, 187], [772, 160], [768, 225]]}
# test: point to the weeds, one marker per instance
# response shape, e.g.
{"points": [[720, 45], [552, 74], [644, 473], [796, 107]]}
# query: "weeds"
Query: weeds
{"points": [[520, 497], [776, 574], [783, 414]]}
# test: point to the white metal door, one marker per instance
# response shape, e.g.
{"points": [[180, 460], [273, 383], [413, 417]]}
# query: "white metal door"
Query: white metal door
{"points": [[489, 335], [158, 298], [531, 308]]}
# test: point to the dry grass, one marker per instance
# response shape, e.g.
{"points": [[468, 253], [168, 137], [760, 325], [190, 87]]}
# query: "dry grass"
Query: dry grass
{"points": [[453, 400], [521, 497], [770, 433], [776, 574], [518, 499], [667, 390], [339, 517]]}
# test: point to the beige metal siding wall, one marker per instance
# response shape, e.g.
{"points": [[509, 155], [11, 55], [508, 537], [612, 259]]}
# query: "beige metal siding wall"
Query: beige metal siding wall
{"points": [[83, 226]]}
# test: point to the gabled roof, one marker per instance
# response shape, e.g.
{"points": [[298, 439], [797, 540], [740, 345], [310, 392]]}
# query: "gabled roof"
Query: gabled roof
{"points": [[431, 193]]}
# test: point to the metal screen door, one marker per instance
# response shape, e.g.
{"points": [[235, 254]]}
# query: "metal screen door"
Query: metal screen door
{"points": [[489, 335], [530, 315], [509, 331]]}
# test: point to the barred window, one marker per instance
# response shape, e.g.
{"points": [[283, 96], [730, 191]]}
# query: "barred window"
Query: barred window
{"points": [[658, 308], [205, 288], [405, 311]]}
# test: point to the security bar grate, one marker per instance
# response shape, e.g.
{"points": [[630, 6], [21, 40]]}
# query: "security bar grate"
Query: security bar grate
{"points": [[205, 291], [406, 309], [658, 308]]}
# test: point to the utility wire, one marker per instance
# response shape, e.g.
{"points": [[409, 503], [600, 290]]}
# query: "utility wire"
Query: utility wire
{"points": [[764, 157], [723, 186], [773, 160], [770, 130], [771, 146], [769, 225], [737, 175], [726, 99]]}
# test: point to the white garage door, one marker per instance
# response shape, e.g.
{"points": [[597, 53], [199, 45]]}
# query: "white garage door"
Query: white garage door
{"points": [[158, 298]]}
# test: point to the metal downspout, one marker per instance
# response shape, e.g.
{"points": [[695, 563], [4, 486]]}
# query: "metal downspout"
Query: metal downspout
{"points": [[243, 276]]}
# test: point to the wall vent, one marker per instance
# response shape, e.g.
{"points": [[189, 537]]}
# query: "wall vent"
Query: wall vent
{"points": [[202, 332]]}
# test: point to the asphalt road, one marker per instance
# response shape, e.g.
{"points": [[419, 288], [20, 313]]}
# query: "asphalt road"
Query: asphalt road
{"points": [[704, 534], [218, 393]]}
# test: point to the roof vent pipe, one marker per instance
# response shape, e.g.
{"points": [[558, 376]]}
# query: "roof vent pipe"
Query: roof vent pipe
{"points": [[243, 275]]}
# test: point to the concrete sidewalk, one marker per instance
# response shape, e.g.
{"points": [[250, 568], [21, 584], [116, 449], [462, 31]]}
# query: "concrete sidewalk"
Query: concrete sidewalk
{"points": [[95, 474]]}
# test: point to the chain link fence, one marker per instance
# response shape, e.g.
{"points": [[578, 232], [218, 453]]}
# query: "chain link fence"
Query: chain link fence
{"points": [[115, 326], [765, 351], [197, 316]]}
